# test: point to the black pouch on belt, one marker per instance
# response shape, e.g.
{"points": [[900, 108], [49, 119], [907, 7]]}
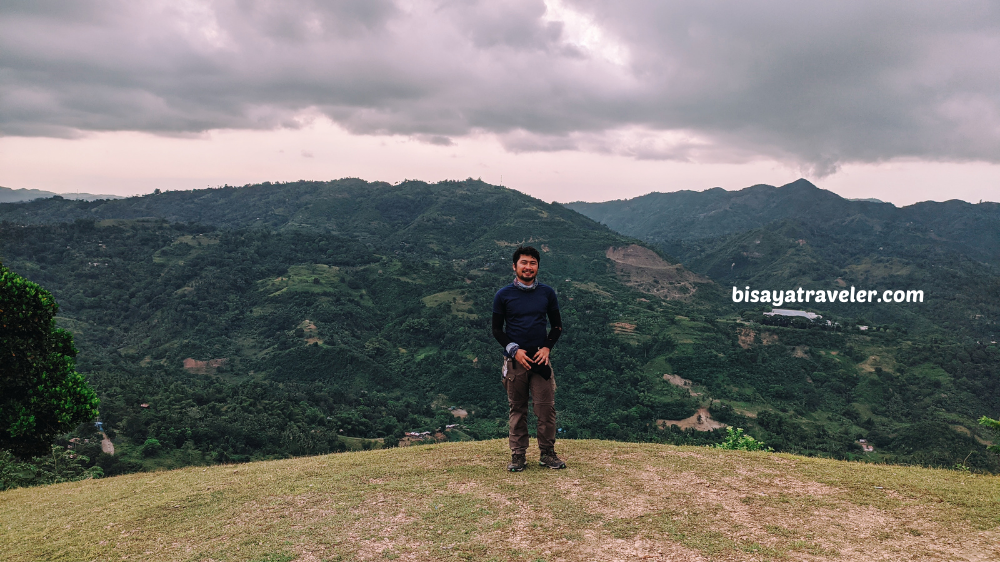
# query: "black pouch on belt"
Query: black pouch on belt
{"points": [[540, 369]]}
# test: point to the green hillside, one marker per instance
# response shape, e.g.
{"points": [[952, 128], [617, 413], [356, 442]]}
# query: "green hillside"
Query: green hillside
{"points": [[280, 320], [962, 295], [799, 235], [615, 501], [259, 342]]}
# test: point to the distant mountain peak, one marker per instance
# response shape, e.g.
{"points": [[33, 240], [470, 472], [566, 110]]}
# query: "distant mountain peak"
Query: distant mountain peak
{"points": [[801, 183]]}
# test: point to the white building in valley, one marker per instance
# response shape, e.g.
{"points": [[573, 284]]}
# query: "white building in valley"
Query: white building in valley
{"points": [[789, 312]]}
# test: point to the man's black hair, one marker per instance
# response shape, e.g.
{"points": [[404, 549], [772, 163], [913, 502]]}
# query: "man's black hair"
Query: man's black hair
{"points": [[526, 251]]}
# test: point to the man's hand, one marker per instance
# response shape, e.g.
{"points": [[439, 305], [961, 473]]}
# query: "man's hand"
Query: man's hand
{"points": [[541, 356], [521, 356]]}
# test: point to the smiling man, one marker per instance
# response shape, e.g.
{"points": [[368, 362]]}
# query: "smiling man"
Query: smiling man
{"points": [[523, 306]]}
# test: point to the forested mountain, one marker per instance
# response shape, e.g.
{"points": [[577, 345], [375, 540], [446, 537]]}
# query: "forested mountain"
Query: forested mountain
{"points": [[798, 235], [287, 319], [686, 216]]}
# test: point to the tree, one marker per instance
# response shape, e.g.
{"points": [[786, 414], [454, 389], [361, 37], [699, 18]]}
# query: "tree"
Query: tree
{"points": [[43, 395], [994, 426]]}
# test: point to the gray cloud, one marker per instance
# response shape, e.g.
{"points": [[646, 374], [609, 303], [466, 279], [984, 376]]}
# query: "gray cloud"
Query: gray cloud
{"points": [[817, 86]]}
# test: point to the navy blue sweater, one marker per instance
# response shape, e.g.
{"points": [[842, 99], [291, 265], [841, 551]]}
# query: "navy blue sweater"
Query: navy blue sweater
{"points": [[524, 313]]}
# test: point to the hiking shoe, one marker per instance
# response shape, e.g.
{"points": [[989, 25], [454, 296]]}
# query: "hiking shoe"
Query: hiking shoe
{"points": [[550, 460], [517, 463]]}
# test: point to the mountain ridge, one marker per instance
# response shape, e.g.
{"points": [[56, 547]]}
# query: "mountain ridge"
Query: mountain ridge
{"points": [[692, 215], [10, 195], [800, 235]]}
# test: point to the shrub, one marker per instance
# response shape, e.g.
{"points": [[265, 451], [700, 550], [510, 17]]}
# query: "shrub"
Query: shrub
{"points": [[151, 447], [736, 441]]}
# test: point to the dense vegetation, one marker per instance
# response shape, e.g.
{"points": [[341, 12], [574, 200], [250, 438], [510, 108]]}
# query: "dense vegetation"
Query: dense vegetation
{"points": [[43, 395], [294, 319], [798, 235]]}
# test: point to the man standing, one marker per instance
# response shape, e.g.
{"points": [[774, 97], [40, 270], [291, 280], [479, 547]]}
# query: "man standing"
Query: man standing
{"points": [[524, 306]]}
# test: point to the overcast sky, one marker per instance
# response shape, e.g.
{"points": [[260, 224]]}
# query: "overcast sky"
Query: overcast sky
{"points": [[565, 99]]}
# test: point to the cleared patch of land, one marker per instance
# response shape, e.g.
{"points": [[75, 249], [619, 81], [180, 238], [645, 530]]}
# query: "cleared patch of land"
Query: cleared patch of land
{"points": [[208, 367], [107, 447], [455, 501], [682, 382], [677, 380], [309, 278], [700, 421], [642, 269], [184, 247], [460, 305], [747, 336]]}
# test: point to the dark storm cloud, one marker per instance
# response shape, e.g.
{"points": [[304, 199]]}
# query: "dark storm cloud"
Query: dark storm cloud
{"points": [[817, 86]]}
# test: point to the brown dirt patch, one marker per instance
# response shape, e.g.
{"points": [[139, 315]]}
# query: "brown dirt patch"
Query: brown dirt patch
{"points": [[886, 362], [768, 338], [645, 271], [700, 421], [107, 447], [688, 454], [801, 351], [677, 380], [209, 367], [868, 365], [746, 337], [623, 328], [311, 331], [459, 413]]}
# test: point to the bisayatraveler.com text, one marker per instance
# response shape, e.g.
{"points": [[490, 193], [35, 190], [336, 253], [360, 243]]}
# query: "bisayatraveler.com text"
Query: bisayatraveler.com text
{"points": [[779, 298]]}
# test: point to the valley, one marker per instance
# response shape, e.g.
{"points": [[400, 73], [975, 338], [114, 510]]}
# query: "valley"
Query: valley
{"points": [[278, 320]]}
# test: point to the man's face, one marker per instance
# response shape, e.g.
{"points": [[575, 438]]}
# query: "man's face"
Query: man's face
{"points": [[526, 268]]}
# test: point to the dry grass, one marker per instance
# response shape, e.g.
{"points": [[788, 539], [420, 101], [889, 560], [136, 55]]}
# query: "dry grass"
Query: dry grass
{"points": [[455, 501]]}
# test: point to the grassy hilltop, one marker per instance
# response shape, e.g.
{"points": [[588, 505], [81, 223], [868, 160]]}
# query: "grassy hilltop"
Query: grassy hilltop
{"points": [[454, 501]]}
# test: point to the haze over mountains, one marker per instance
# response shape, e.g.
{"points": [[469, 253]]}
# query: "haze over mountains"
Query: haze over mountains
{"points": [[300, 318], [8, 195]]}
